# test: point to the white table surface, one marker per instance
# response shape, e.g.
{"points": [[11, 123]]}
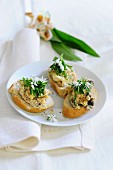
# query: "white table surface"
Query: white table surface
{"points": [[91, 21]]}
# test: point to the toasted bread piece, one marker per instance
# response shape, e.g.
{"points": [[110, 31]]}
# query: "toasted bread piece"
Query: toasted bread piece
{"points": [[69, 111], [19, 101], [61, 91]]}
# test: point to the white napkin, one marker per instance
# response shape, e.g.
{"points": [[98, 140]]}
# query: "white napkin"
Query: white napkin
{"points": [[18, 134]]}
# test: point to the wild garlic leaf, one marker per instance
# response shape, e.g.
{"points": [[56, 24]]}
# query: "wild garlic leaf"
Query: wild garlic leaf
{"points": [[68, 54], [74, 42], [55, 37]]}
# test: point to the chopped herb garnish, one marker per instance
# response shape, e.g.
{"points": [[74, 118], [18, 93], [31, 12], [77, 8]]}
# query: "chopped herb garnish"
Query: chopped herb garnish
{"points": [[82, 86], [36, 85], [60, 67]]}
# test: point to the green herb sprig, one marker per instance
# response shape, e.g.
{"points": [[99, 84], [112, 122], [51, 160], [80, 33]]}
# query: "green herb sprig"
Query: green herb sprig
{"points": [[57, 68], [27, 82], [36, 87]]}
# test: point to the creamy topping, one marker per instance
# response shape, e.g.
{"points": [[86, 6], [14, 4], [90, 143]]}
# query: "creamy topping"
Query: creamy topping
{"points": [[61, 80]]}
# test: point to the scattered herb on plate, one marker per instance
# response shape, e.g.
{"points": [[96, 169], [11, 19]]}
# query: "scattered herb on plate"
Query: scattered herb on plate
{"points": [[52, 118]]}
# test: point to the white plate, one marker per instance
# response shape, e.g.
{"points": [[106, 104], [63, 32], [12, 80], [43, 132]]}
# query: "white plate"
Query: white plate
{"points": [[40, 68]]}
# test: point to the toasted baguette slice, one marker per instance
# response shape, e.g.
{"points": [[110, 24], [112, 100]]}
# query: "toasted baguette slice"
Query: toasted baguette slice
{"points": [[69, 111], [19, 101], [61, 91]]}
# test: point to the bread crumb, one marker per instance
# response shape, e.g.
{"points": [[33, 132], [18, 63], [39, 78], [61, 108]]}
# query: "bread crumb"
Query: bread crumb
{"points": [[52, 110]]}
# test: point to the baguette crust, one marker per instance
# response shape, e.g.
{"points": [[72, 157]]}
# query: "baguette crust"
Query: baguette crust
{"points": [[61, 91], [69, 111], [19, 101]]}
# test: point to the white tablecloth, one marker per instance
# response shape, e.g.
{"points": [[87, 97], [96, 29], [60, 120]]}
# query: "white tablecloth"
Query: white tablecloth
{"points": [[91, 21]]}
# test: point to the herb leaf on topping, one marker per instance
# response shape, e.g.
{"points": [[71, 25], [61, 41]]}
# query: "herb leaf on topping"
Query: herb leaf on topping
{"points": [[27, 82], [60, 67], [36, 85], [82, 86], [66, 50]]}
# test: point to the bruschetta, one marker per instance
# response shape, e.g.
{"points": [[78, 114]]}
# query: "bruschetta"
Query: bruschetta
{"points": [[80, 100], [60, 76], [31, 94]]}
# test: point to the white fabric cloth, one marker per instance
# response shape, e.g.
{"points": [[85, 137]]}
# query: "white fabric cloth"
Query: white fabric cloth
{"points": [[26, 136], [91, 20], [18, 134]]}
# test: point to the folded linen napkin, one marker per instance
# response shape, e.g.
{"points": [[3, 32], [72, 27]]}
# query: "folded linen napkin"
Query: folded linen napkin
{"points": [[18, 134]]}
